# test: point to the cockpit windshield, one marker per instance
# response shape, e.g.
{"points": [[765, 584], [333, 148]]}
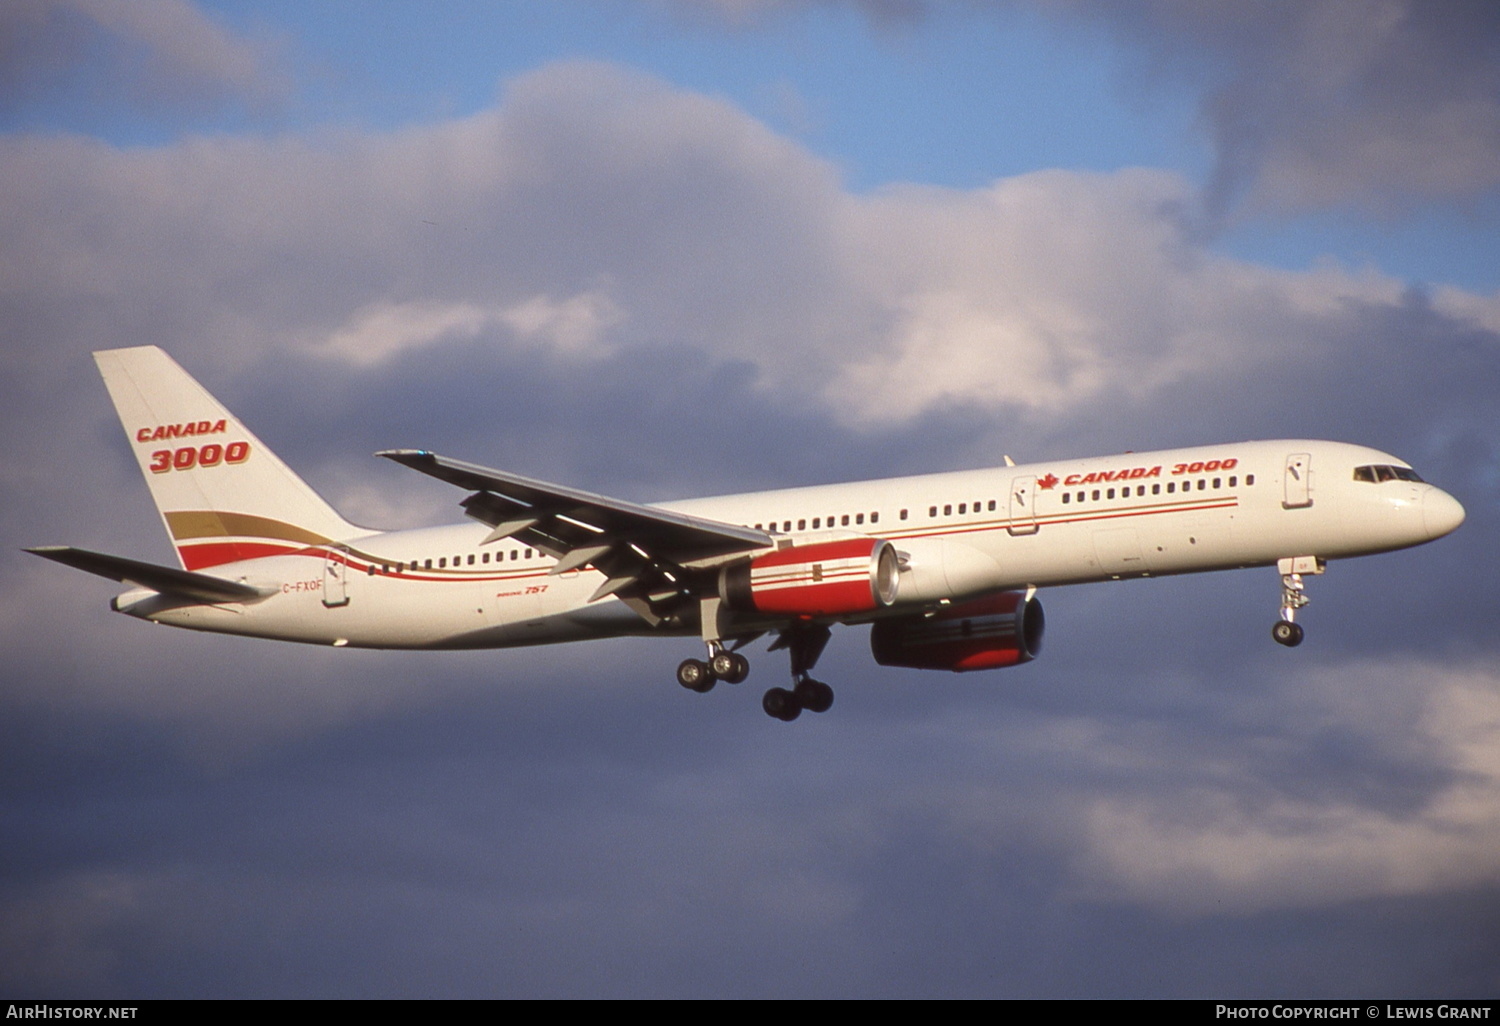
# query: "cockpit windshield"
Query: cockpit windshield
{"points": [[1377, 472]]}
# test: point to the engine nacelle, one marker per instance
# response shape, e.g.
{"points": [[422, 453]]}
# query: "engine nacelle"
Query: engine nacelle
{"points": [[836, 578], [984, 634]]}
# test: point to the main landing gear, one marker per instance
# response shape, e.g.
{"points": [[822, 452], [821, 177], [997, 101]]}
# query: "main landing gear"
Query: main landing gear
{"points": [[805, 644], [697, 675], [1287, 630]]}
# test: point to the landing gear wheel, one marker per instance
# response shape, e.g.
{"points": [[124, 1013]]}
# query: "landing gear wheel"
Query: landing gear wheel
{"points": [[1287, 633], [814, 695], [695, 675], [781, 704], [730, 667]]}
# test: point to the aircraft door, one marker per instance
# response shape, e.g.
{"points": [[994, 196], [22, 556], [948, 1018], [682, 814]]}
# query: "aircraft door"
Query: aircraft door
{"points": [[1297, 481], [1022, 506], [335, 580]]}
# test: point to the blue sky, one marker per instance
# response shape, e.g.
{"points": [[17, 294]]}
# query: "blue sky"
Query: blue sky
{"points": [[658, 249], [942, 94]]}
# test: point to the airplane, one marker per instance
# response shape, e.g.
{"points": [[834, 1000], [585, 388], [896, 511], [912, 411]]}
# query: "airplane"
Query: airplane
{"points": [[944, 567]]}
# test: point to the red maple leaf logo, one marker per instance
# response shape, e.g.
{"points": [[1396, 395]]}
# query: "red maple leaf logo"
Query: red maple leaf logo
{"points": [[1046, 483]]}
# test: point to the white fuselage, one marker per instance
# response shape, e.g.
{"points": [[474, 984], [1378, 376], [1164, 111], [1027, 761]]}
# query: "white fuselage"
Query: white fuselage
{"points": [[959, 534]]}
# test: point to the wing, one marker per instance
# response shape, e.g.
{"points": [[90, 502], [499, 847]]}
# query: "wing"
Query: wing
{"points": [[650, 558], [165, 579]]}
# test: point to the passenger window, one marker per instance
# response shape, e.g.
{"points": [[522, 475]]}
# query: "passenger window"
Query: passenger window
{"points": [[992, 505], [1065, 498], [1249, 479], [932, 511], [528, 553], [471, 559], [1217, 482], [1096, 495], [875, 518], [948, 510], [1234, 481], [1156, 489], [802, 525], [844, 521], [427, 564], [963, 508], [859, 518], [442, 562], [1110, 494], [786, 525], [903, 514]]}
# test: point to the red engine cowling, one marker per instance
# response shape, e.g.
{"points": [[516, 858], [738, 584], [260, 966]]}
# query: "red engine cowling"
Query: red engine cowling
{"points": [[836, 578], [985, 634]]}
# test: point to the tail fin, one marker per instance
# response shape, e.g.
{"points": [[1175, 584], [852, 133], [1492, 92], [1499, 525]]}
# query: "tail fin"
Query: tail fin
{"points": [[223, 496]]}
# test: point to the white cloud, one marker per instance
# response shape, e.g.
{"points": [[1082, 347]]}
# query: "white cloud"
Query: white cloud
{"points": [[1481, 311], [1041, 292], [1046, 290], [575, 326]]}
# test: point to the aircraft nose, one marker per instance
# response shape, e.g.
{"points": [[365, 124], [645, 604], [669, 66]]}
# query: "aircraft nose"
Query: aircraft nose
{"points": [[1441, 513]]}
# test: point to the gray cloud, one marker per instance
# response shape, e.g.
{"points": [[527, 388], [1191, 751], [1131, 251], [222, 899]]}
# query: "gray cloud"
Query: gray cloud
{"points": [[147, 55], [1337, 102]]}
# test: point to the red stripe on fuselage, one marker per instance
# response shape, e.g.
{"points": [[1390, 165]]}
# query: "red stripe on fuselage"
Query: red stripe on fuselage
{"points": [[196, 557]]}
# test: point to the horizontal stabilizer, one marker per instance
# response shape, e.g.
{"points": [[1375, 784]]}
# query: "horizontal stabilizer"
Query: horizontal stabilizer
{"points": [[165, 579]]}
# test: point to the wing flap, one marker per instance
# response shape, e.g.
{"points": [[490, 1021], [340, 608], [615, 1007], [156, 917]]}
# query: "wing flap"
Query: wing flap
{"points": [[652, 559], [570, 518]]}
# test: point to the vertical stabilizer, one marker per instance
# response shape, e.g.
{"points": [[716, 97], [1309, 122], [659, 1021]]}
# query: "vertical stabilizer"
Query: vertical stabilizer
{"points": [[223, 495]]}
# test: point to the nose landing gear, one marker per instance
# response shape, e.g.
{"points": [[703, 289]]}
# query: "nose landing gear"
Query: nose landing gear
{"points": [[1288, 633], [1287, 630]]}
